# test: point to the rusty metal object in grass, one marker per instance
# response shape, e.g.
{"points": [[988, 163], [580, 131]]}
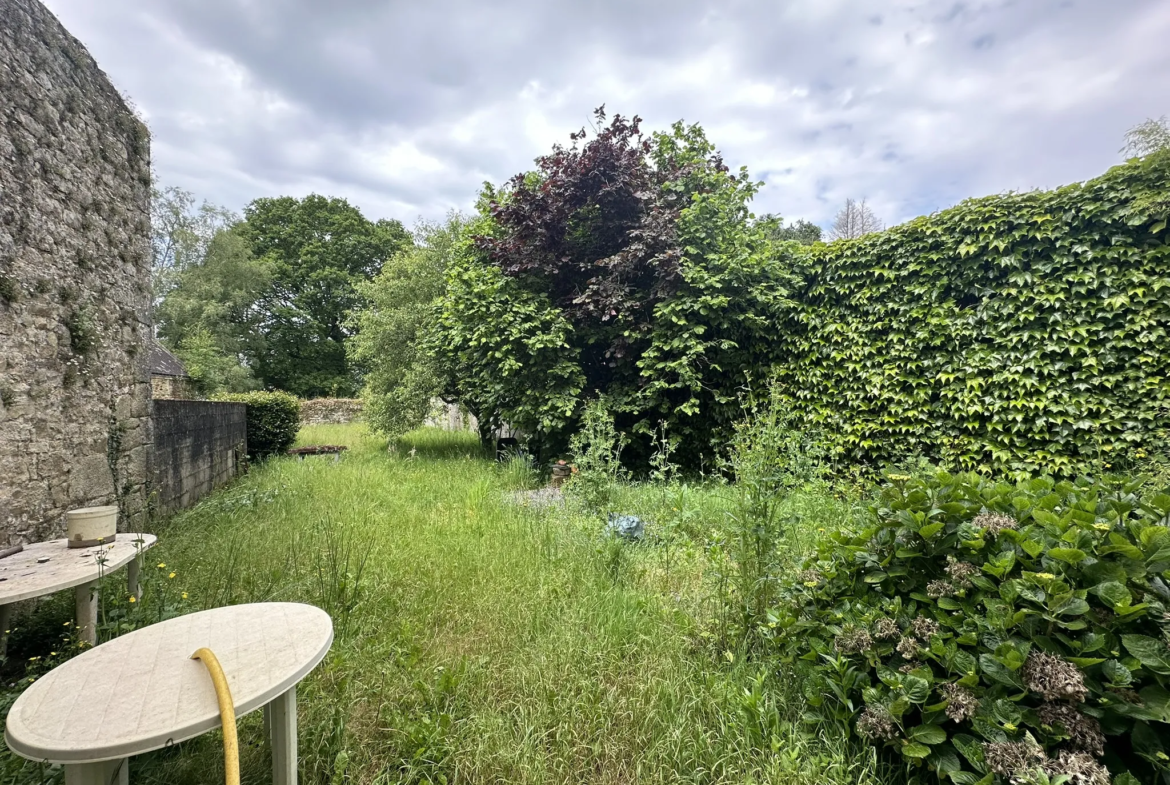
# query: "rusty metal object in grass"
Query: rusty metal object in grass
{"points": [[319, 449]]}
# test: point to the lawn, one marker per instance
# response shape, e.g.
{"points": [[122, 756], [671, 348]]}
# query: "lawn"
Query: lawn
{"points": [[478, 640]]}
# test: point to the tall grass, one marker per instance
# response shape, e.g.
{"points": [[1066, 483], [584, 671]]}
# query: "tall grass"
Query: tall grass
{"points": [[480, 641]]}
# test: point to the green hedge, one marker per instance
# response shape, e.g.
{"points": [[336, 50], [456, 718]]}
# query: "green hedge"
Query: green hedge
{"points": [[273, 421], [1023, 332], [985, 629]]}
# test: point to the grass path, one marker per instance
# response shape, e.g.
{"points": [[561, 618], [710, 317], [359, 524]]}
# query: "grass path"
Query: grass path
{"points": [[477, 642]]}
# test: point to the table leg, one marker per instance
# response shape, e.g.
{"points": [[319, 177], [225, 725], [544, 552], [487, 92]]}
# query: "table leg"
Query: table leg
{"points": [[109, 772], [133, 570], [87, 611], [282, 714], [5, 620]]}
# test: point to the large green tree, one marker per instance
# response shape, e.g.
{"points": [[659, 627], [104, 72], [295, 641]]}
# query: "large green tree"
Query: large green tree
{"points": [[319, 250], [210, 315], [181, 233], [402, 376]]}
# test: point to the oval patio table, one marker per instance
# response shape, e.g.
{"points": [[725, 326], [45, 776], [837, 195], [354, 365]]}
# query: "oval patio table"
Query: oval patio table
{"points": [[48, 567], [142, 691]]}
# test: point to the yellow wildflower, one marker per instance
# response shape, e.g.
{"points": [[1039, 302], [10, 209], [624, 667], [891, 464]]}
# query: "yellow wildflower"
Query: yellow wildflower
{"points": [[171, 575], [133, 598], [162, 565]]}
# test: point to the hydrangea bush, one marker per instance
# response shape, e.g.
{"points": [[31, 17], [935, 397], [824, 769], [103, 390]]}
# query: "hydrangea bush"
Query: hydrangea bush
{"points": [[991, 632]]}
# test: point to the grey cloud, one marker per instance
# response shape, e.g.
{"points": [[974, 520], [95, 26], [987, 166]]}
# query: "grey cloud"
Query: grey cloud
{"points": [[406, 107]]}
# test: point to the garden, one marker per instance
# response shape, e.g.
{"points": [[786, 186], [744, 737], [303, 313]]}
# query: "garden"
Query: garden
{"points": [[888, 509]]}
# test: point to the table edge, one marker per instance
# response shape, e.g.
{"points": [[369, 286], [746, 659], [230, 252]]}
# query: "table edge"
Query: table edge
{"points": [[127, 749], [72, 584]]}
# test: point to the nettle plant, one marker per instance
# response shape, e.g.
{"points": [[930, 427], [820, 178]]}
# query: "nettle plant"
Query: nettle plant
{"points": [[992, 632]]}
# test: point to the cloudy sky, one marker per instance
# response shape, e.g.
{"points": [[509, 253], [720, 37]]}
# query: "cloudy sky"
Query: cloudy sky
{"points": [[405, 108]]}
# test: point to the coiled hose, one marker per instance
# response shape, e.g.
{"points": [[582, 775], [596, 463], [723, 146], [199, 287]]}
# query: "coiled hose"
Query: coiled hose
{"points": [[227, 714]]}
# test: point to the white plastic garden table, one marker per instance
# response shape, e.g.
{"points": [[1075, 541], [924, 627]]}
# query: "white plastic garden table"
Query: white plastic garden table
{"points": [[143, 692], [47, 567]]}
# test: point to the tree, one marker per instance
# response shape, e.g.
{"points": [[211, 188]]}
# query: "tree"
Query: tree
{"points": [[625, 266], [402, 377], [181, 233], [854, 220], [318, 249], [210, 318], [212, 370], [1147, 137], [803, 232]]}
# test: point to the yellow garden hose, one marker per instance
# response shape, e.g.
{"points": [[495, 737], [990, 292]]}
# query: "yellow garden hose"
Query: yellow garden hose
{"points": [[227, 714]]}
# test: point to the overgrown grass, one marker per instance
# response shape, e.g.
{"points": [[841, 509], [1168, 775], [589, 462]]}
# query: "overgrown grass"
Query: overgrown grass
{"points": [[481, 641]]}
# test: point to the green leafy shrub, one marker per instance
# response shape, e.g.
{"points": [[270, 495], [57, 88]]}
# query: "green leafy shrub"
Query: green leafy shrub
{"points": [[626, 266], [988, 630], [1021, 331], [273, 421]]}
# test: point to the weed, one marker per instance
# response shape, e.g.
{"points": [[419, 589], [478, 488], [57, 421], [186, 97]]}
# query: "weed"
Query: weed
{"points": [[597, 449]]}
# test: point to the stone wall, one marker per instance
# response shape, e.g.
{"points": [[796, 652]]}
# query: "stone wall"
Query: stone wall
{"points": [[74, 282], [198, 446], [172, 387], [330, 411]]}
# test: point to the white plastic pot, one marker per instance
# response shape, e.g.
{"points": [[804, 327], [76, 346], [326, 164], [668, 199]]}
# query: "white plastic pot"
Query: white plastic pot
{"points": [[89, 524]]}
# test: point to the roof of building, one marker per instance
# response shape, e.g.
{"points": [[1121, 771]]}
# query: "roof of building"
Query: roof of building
{"points": [[163, 363]]}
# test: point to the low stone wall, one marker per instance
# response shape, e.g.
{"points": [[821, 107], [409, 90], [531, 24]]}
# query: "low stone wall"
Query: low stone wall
{"points": [[330, 411], [198, 447]]}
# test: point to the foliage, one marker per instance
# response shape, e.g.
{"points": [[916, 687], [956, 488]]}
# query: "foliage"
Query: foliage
{"points": [[802, 231], [1020, 332], [1147, 137], [967, 618], [768, 458], [273, 421], [854, 220], [210, 319], [318, 250], [597, 453], [211, 369], [181, 234], [401, 377], [624, 266], [477, 627]]}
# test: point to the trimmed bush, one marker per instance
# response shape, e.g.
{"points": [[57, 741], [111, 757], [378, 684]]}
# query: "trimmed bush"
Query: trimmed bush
{"points": [[1024, 332], [987, 630], [273, 421]]}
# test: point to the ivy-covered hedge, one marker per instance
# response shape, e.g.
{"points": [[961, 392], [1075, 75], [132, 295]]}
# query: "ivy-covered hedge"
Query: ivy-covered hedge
{"points": [[1021, 332], [987, 631], [273, 421]]}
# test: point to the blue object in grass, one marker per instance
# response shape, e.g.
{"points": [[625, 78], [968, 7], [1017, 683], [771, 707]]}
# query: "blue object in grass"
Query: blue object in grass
{"points": [[628, 527]]}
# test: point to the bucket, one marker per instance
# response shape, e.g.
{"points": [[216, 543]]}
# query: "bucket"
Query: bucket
{"points": [[89, 524]]}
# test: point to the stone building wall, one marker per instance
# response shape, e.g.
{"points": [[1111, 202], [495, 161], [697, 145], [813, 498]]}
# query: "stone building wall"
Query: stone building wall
{"points": [[330, 411], [74, 282], [172, 388]]}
